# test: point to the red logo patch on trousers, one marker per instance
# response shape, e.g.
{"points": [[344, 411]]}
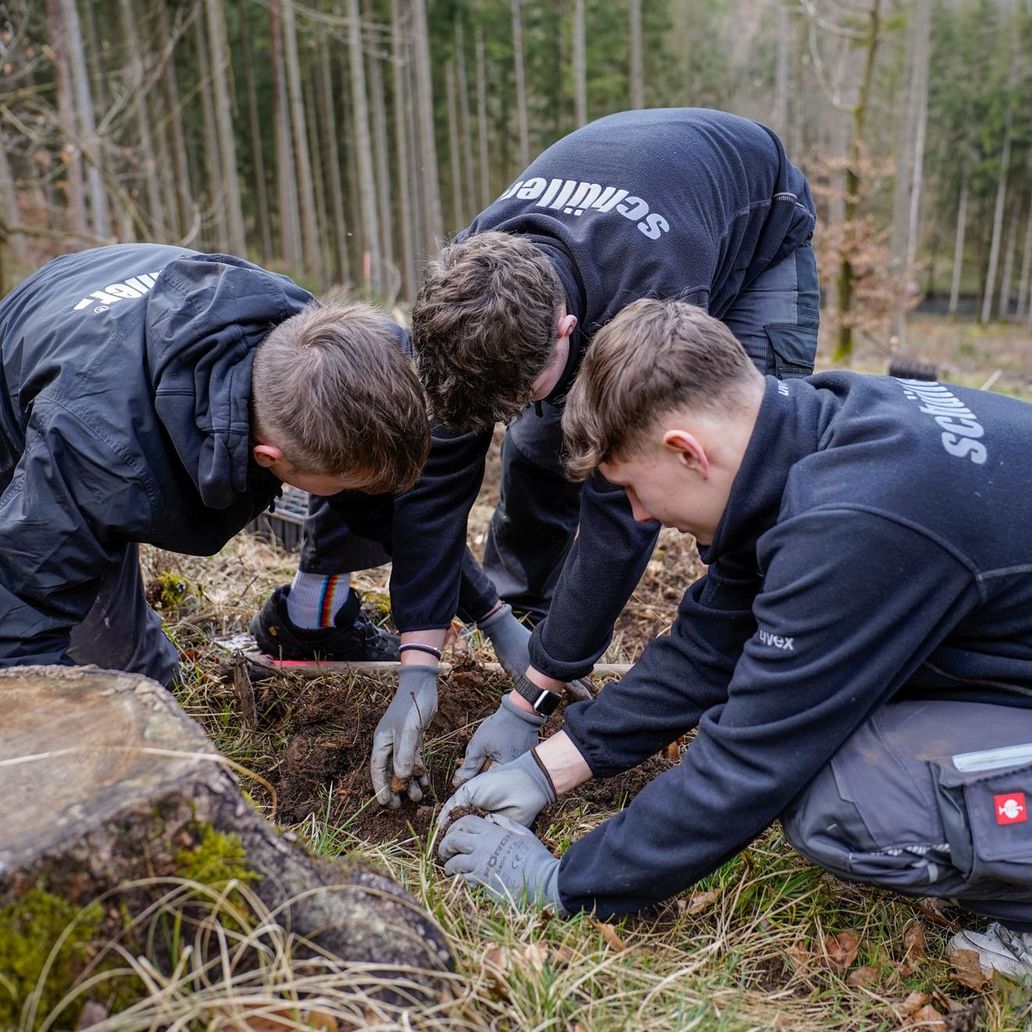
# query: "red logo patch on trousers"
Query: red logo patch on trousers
{"points": [[1010, 808]]}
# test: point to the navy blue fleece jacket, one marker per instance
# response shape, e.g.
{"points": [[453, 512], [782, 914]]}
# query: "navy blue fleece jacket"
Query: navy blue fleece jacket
{"points": [[125, 389], [673, 202], [877, 543]]}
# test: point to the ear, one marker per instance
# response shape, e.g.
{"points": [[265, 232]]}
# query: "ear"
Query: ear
{"points": [[266, 455], [566, 325], [689, 450]]}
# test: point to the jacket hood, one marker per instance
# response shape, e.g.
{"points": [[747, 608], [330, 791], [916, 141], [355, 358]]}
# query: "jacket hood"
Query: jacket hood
{"points": [[205, 317]]}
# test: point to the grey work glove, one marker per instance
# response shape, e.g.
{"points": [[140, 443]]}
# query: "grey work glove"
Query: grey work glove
{"points": [[519, 790], [506, 859], [511, 641], [397, 761], [507, 733]]}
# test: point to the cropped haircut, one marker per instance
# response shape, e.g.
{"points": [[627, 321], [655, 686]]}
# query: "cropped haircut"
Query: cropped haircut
{"points": [[334, 392], [483, 326], [654, 357]]}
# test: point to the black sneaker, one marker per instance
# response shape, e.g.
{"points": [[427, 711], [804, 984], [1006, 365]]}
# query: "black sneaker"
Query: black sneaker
{"points": [[352, 638]]}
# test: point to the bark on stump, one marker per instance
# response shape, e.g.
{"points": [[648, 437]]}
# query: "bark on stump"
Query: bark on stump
{"points": [[103, 779]]}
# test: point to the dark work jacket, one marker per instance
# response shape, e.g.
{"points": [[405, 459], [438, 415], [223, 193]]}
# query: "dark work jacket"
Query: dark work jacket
{"points": [[675, 202], [877, 543], [125, 390]]}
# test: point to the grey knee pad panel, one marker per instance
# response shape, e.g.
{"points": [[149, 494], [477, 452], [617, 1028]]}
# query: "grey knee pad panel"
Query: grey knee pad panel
{"points": [[926, 798]]}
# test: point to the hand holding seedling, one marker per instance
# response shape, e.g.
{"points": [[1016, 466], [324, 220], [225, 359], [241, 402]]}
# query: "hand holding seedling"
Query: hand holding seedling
{"points": [[397, 763]]}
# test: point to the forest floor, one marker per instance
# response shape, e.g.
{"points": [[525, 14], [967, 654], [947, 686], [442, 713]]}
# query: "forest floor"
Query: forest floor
{"points": [[767, 941]]}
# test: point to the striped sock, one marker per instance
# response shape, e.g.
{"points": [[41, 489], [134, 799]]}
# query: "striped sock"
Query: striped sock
{"points": [[316, 598]]}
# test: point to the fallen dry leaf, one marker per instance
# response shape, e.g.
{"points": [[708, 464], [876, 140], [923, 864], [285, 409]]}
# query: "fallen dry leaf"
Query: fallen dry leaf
{"points": [[500, 961], [914, 942], [966, 968], [842, 948], [914, 1002], [609, 933], [931, 907], [699, 902], [929, 1018], [262, 1018], [863, 978], [798, 955]]}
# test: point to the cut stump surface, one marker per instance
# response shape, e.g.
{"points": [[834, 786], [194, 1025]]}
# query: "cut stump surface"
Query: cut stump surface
{"points": [[103, 779]]}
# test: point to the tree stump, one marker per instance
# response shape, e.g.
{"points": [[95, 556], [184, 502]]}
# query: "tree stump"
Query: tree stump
{"points": [[104, 780]]}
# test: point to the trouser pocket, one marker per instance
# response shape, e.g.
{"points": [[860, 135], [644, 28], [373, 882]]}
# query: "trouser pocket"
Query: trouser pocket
{"points": [[983, 800], [794, 349]]}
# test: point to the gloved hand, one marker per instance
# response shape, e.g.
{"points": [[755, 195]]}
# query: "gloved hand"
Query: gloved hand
{"points": [[519, 790], [507, 733], [506, 859], [398, 739], [510, 639]]}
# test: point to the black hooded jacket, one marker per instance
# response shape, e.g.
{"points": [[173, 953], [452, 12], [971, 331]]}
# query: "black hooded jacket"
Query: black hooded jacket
{"points": [[125, 391], [877, 544], [671, 202]]}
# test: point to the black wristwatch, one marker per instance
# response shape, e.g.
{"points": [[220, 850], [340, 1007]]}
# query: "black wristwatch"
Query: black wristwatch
{"points": [[541, 699]]}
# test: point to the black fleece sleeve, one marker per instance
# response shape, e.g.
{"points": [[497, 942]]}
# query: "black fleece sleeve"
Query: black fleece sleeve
{"points": [[65, 519], [601, 570], [679, 676], [430, 530], [851, 605]]}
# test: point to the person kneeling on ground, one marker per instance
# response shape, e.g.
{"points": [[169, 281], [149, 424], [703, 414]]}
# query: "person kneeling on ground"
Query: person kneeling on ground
{"points": [[671, 202], [864, 630], [154, 394]]}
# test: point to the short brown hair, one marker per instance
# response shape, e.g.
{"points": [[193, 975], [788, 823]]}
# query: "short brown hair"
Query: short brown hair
{"points": [[333, 390], [653, 357], [483, 326]]}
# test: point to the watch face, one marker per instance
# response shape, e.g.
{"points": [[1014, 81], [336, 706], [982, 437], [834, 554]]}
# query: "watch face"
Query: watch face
{"points": [[546, 702]]}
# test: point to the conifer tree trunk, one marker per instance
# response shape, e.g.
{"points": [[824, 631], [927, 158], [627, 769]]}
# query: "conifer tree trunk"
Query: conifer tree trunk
{"points": [[220, 65], [371, 264], [846, 274], [465, 128], [67, 117], [637, 69], [381, 156], [263, 215], [212, 157], [402, 140], [958, 243], [1007, 277], [289, 217], [185, 206], [332, 165], [580, 65], [155, 215], [302, 163], [425, 122], [995, 244], [89, 139], [482, 126], [522, 120], [454, 153], [316, 148], [779, 112], [1024, 285]]}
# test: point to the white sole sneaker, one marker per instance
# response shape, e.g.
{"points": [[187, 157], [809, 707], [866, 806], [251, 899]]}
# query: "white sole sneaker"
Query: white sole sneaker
{"points": [[999, 951]]}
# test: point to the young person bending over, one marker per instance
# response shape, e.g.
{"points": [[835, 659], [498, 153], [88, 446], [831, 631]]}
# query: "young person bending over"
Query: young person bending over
{"points": [[152, 394], [857, 659], [675, 202]]}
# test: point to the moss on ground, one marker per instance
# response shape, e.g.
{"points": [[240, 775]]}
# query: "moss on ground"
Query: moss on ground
{"points": [[48, 942]]}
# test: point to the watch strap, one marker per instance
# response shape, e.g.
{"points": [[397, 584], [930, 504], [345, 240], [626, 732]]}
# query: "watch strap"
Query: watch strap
{"points": [[541, 700]]}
